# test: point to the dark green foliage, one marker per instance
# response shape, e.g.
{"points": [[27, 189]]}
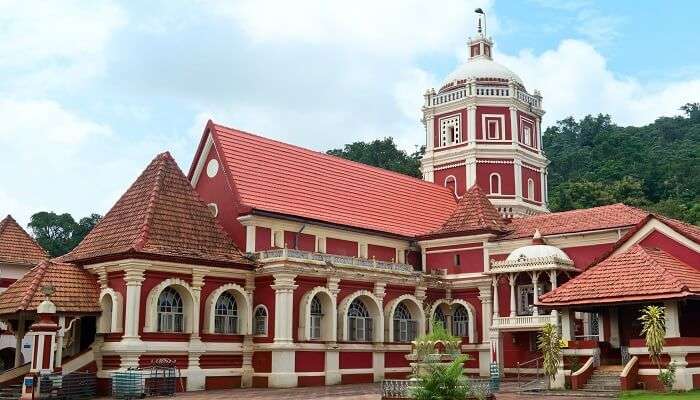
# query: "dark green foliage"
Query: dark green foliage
{"points": [[383, 154], [656, 167], [59, 233], [442, 382]]}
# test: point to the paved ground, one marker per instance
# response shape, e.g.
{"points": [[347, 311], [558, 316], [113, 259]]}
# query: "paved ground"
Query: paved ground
{"points": [[343, 392]]}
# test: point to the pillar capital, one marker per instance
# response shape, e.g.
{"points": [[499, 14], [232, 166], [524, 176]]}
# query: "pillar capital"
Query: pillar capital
{"points": [[380, 289], [284, 282]]}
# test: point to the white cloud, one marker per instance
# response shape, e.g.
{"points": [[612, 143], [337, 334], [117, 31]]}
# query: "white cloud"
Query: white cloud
{"points": [[575, 80]]}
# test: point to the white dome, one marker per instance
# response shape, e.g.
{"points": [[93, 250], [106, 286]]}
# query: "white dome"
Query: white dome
{"points": [[537, 251], [483, 68]]}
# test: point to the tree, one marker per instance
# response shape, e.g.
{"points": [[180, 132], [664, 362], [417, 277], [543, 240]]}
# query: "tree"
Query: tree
{"points": [[549, 344], [383, 154], [59, 233]]}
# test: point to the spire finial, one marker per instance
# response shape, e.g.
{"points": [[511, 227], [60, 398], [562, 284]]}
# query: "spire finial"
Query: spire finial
{"points": [[481, 28]]}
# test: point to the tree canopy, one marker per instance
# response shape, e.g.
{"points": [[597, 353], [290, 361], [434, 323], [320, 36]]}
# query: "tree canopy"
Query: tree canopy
{"points": [[60, 233], [595, 162], [382, 153]]}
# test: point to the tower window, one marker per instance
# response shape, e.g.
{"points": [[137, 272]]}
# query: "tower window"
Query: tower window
{"points": [[449, 130], [458, 261], [530, 189], [495, 183], [527, 136], [451, 183]]}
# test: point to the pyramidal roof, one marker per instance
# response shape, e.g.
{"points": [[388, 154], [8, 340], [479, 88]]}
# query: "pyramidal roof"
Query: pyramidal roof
{"points": [[474, 213], [75, 289], [16, 246], [160, 217]]}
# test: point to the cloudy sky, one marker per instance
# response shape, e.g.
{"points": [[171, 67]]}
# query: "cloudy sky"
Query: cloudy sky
{"points": [[92, 90]]}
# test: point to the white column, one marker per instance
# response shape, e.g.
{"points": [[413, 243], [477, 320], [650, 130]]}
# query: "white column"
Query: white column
{"points": [[614, 328], [471, 173], [535, 291], [333, 376], [283, 374], [471, 124], [19, 335], [59, 340], [553, 283], [429, 132], [486, 302], [672, 321], [567, 325], [517, 171], [494, 283], [250, 239], [195, 376], [133, 276], [511, 280], [513, 125]]}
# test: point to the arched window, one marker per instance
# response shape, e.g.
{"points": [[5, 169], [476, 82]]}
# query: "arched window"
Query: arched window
{"points": [[451, 183], [170, 315], [260, 321], [404, 325], [460, 322], [359, 322], [316, 318], [106, 317], [226, 314], [440, 317], [530, 189], [495, 183]]}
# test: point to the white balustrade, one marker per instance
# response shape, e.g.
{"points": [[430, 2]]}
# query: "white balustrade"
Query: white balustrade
{"points": [[523, 321], [334, 260], [484, 91]]}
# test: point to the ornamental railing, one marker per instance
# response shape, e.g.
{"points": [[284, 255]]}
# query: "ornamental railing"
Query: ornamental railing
{"points": [[334, 260], [523, 321], [485, 91], [528, 264], [479, 388]]}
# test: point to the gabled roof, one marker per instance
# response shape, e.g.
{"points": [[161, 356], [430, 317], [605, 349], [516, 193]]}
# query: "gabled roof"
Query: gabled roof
{"points": [[16, 246], [160, 216], [637, 274], [279, 178], [589, 219], [474, 214], [692, 232], [75, 289]]}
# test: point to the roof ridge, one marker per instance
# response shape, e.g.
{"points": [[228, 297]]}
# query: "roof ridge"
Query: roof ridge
{"points": [[36, 279], [5, 223], [330, 156], [140, 242]]}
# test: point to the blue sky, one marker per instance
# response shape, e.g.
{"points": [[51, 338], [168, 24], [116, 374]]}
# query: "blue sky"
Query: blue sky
{"points": [[92, 90]]}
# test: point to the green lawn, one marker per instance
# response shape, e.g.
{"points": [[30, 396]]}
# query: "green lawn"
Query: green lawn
{"points": [[644, 395]]}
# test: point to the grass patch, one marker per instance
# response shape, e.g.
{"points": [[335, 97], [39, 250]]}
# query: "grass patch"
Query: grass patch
{"points": [[646, 395]]}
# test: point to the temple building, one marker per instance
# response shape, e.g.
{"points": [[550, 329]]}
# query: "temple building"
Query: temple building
{"points": [[271, 265]]}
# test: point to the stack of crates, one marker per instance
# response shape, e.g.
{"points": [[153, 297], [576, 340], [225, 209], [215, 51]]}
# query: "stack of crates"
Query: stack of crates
{"points": [[128, 385]]}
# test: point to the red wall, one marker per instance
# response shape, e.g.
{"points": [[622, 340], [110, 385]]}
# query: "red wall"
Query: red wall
{"points": [[460, 174], [263, 238], [535, 176], [381, 253], [481, 110], [341, 247], [663, 242], [217, 190], [471, 260], [264, 294], [484, 170], [309, 361], [354, 360], [301, 241]]}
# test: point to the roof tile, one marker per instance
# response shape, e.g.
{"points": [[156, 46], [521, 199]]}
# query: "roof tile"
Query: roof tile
{"points": [[16, 246], [474, 213], [159, 215]]}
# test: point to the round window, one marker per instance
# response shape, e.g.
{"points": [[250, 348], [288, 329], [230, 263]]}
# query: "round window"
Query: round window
{"points": [[212, 168]]}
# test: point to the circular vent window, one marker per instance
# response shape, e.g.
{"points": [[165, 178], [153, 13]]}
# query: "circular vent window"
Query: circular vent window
{"points": [[213, 208], [212, 168]]}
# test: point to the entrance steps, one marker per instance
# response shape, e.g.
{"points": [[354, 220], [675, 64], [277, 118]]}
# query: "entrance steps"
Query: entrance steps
{"points": [[605, 378]]}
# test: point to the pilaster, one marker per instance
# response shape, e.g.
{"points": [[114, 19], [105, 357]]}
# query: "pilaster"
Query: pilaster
{"points": [[283, 359], [485, 298], [134, 277]]}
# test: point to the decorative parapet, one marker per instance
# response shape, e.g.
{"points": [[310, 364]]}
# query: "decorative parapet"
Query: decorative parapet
{"points": [[523, 321], [471, 89], [531, 264], [332, 260]]}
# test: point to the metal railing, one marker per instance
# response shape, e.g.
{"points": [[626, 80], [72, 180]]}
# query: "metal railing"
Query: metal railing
{"points": [[479, 388], [73, 386], [334, 260], [539, 373]]}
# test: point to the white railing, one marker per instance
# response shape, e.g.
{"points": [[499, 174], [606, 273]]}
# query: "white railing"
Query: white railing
{"points": [[524, 321], [334, 260], [484, 91], [531, 264]]}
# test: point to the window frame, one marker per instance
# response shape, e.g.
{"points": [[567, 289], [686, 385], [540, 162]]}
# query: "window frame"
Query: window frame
{"points": [[171, 321], [260, 318], [230, 321]]}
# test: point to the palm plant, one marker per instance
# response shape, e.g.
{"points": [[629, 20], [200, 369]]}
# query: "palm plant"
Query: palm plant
{"points": [[654, 330], [442, 382], [549, 344]]}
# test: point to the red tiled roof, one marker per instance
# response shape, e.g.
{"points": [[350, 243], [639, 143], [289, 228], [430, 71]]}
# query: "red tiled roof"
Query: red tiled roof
{"points": [[639, 273], [75, 289], [159, 216], [284, 179], [16, 246], [596, 218], [474, 213]]}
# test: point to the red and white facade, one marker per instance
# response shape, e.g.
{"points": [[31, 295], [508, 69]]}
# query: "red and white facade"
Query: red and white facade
{"points": [[346, 263]]}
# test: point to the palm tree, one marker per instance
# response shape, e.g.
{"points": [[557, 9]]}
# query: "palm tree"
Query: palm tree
{"points": [[654, 330], [549, 344], [443, 381]]}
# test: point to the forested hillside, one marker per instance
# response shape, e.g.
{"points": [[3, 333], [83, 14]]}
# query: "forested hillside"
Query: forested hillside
{"points": [[596, 162]]}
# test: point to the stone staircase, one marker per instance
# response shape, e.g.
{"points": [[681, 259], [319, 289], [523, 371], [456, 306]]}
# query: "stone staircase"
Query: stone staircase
{"points": [[605, 379], [10, 392]]}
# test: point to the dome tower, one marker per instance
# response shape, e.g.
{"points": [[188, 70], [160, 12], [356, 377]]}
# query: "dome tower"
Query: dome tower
{"points": [[483, 127]]}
